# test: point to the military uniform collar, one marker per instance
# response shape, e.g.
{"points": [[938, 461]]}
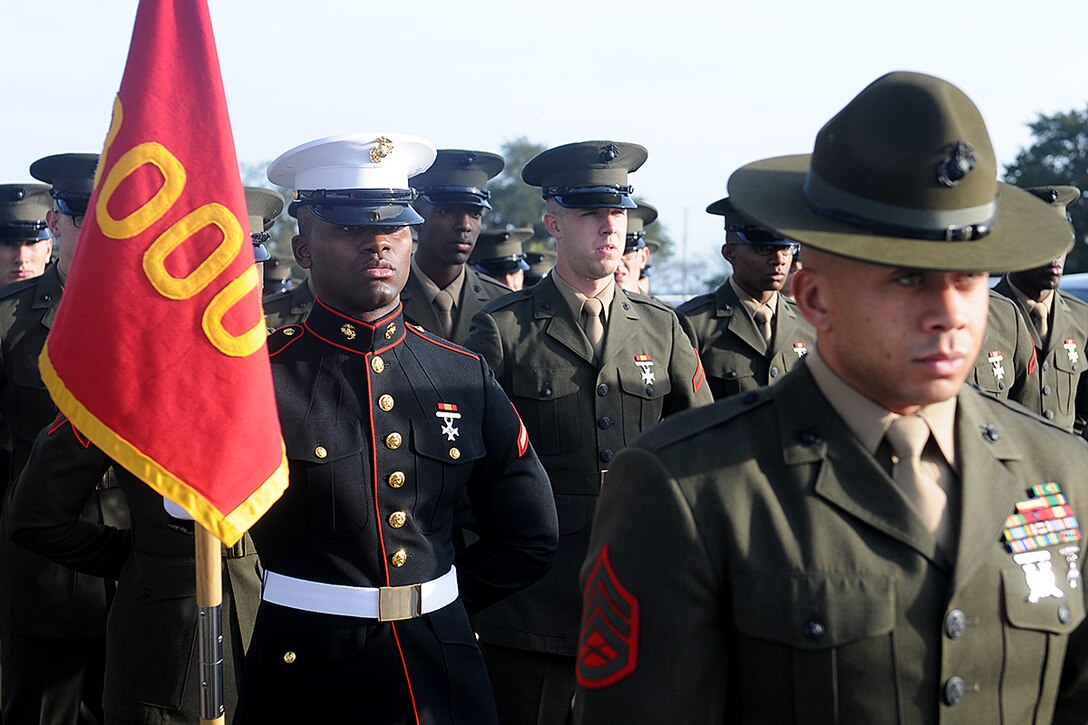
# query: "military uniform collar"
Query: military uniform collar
{"points": [[431, 289], [869, 420], [574, 298], [749, 302], [348, 333]]}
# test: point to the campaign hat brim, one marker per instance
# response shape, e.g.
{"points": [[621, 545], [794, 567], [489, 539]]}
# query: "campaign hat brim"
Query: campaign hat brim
{"points": [[1025, 233]]}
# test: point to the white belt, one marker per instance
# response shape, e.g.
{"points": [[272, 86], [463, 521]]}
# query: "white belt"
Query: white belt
{"points": [[386, 604]]}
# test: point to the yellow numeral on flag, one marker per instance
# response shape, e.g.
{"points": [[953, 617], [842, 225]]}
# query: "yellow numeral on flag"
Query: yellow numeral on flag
{"points": [[173, 174], [182, 288], [248, 342]]}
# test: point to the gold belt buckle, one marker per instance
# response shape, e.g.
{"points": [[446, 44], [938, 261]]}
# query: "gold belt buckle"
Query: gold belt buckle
{"points": [[397, 603]]}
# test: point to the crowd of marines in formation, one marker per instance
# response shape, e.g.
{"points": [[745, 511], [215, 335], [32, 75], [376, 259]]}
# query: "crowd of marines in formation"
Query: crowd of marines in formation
{"points": [[485, 520]]}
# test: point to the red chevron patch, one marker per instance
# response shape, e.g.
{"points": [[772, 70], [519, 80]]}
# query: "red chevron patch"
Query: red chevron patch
{"points": [[608, 641]]}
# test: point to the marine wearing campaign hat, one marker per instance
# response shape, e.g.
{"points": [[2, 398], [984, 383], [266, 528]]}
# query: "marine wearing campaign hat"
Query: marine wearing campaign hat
{"points": [[747, 333], [589, 367], [499, 254], [1058, 322], [853, 533], [25, 243], [52, 619], [443, 289], [358, 575]]}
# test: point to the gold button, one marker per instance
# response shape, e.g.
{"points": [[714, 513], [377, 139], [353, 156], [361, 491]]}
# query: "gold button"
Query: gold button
{"points": [[288, 332], [393, 441], [377, 364], [396, 479], [399, 558], [289, 657], [320, 452], [455, 454], [386, 403], [397, 519]]}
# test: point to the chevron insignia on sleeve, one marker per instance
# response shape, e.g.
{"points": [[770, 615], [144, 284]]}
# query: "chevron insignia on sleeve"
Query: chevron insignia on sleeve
{"points": [[608, 641], [700, 376]]}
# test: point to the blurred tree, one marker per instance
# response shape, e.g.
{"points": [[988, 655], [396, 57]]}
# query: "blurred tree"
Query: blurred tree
{"points": [[1058, 155], [514, 203]]}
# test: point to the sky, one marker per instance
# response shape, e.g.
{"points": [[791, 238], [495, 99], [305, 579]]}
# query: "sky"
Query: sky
{"points": [[705, 86]]}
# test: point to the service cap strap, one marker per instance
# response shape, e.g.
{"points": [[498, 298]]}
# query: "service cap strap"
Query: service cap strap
{"points": [[948, 225]]}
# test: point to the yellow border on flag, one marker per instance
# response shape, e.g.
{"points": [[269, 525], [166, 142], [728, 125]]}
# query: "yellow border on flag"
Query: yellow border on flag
{"points": [[227, 528]]}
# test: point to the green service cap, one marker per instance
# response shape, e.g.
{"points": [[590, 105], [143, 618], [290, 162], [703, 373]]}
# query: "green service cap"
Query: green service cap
{"points": [[500, 250], [586, 175], [637, 221], [22, 212], [458, 177], [71, 177]]}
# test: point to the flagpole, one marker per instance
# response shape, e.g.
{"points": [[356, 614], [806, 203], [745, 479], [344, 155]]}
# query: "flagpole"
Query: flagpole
{"points": [[209, 600]]}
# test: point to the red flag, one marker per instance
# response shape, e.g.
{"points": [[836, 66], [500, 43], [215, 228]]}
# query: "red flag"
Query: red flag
{"points": [[158, 350]]}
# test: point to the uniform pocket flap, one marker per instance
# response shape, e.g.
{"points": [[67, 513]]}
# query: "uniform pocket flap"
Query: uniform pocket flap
{"points": [[634, 382], [813, 612], [429, 441], [544, 383], [727, 364], [322, 441], [1063, 359], [1047, 603]]}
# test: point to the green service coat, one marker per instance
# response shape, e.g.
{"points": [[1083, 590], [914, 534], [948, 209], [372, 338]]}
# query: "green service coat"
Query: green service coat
{"points": [[477, 291], [753, 563], [1007, 364], [288, 308], [1062, 363], [734, 354], [579, 413]]}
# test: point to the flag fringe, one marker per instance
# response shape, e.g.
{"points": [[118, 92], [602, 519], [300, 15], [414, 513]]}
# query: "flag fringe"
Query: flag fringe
{"points": [[228, 528]]}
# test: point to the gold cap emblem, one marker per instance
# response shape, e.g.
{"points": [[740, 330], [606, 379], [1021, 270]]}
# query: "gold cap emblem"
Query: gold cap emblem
{"points": [[381, 149], [390, 331], [348, 330]]}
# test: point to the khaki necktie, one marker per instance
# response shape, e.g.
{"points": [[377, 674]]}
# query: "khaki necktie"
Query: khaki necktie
{"points": [[443, 302], [908, 435], [1038, 314], [762, 319], [592, 323]]}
